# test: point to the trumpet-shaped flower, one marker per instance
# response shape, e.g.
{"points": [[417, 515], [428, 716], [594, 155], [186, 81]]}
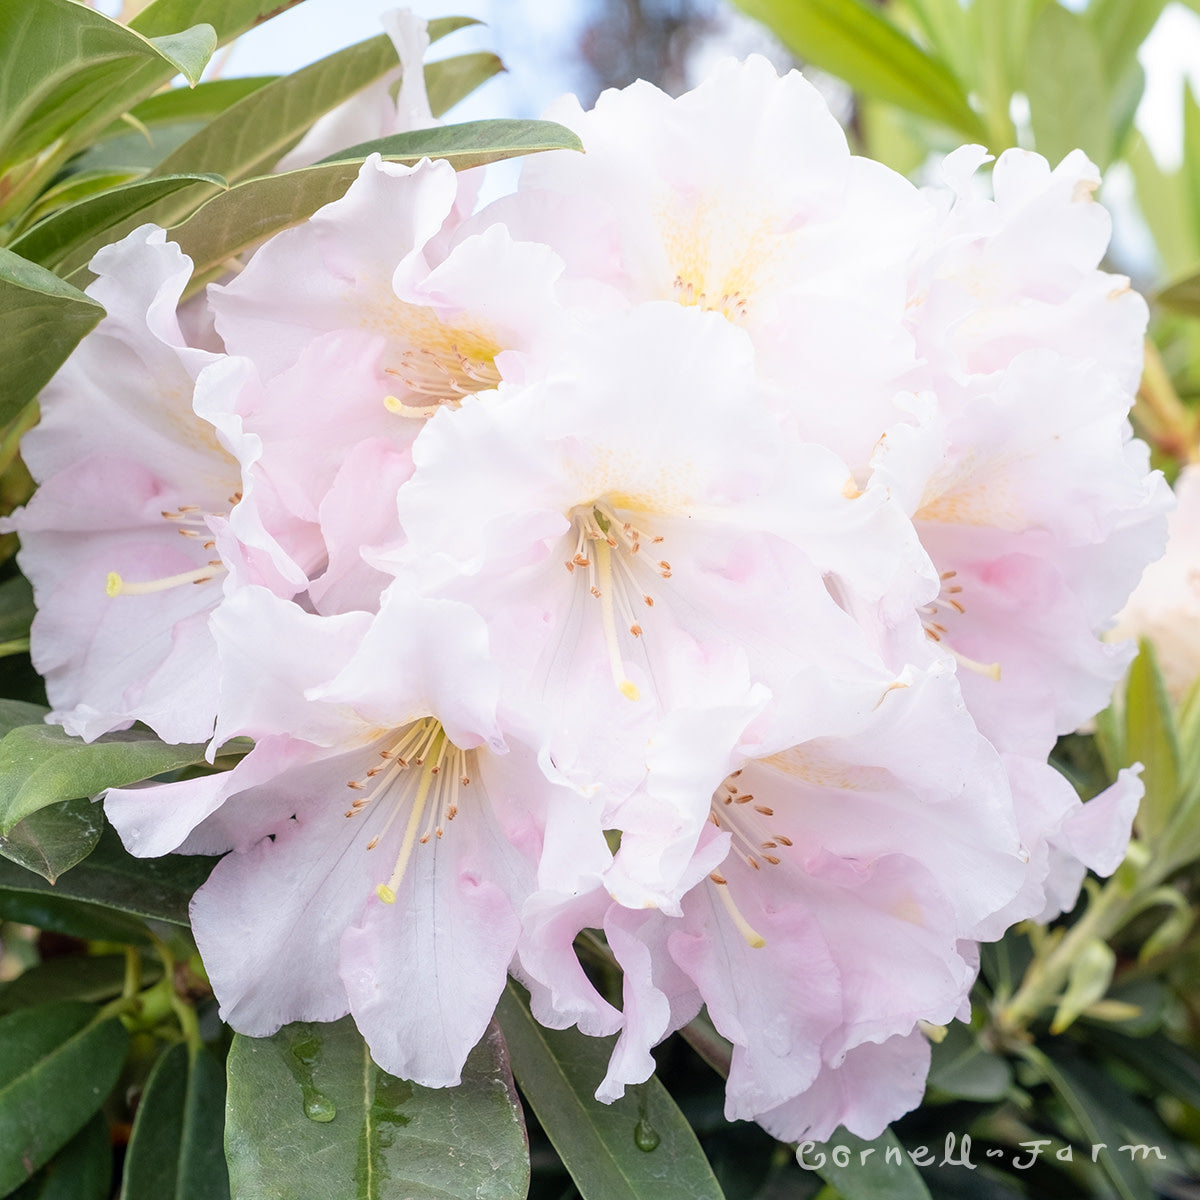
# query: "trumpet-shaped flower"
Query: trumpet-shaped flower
{"points": [[391, 819], [119, 540]]}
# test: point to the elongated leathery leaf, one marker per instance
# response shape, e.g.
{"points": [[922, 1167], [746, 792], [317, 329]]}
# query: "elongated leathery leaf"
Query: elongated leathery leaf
{"points": [[854, 40], [176, 1150], [638, 1148], [41, 765], [309, 1114], [159, 888], [66, 72], [59, 1063], [236, 220], [81, 1170], [42, 319], [54, 839], [68, 238]]}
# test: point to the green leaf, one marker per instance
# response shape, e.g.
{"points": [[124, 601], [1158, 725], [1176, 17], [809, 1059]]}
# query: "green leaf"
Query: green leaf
{"points": [[42, 764], [67, 240], [236, 220], [227, 17], [1171, 1068], [852, 39], [158, 888], [54, 839], [1120, 27], [1065, 83], [16, 615], [66, 72], [77, 186], [1163, 202], [448, 80], [251, 136], [60, 915], [638, 1147], [471, 144], [72, 977], [1191, 158], [1183, 295], [81, 1170], [1150, 739], [961, 1067], [175, 1150], [1099, 1128], [1091, 973], [309, 1114], [60, 1061], [885, 1171], [151, 130], [944, 24], [42, 319]]}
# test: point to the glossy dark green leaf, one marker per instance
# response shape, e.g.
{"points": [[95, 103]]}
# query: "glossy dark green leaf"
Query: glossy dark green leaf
{"points": [[72, 977], [309, 1114], [67, 240], [450, 79], [42, 319], [1065, 83], [16, 614], [176, 1150], [59, 1063], [159, 888], [865, 1170], [1150, 738], [81, 1170], [1100, 1129], [961, 1067], [57, 914], [855, 41], [41, 765], [236, 220], [15, 713], [54, 839], [638, 1147]]}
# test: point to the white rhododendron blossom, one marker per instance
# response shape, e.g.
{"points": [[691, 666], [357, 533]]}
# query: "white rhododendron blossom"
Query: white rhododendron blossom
{"points": [[702, 548]]}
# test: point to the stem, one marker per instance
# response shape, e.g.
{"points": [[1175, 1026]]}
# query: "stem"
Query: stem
{"points": [[1047, 976], [1116, 903]]}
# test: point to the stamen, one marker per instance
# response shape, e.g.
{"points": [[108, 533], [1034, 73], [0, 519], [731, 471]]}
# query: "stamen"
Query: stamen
{"points": [[751, 936], [625, 685], [387, 891], [117, 585], [419, 412], [991, 670]]}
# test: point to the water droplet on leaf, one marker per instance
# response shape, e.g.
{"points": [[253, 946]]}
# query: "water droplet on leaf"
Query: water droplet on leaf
{"points": [[319, 1108], [645, 1136]]}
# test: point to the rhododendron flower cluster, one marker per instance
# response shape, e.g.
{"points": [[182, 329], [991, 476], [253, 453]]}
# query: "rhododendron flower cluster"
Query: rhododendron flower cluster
{"points": [[701, 547]]}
